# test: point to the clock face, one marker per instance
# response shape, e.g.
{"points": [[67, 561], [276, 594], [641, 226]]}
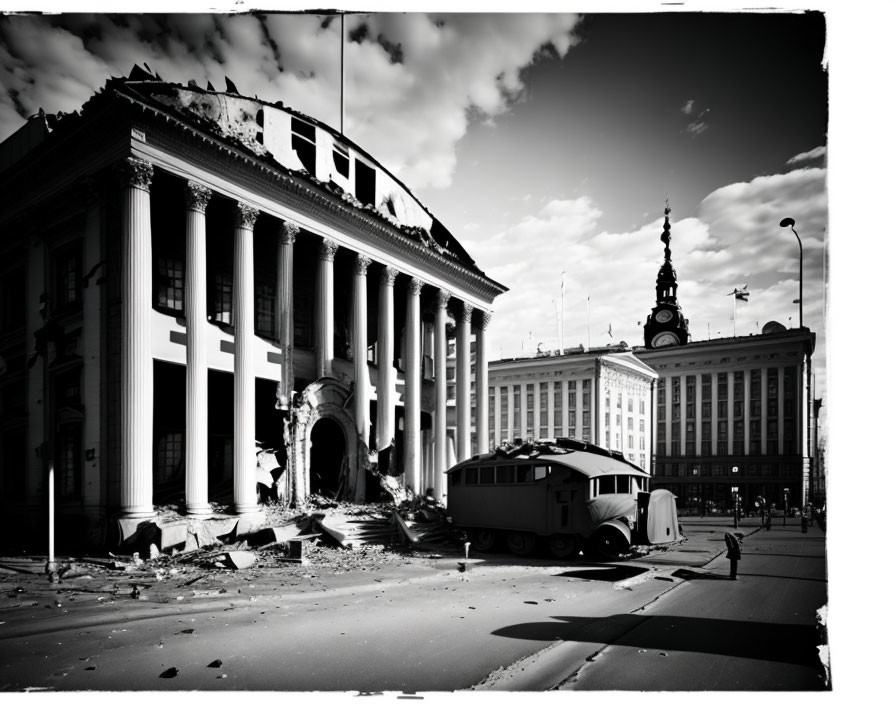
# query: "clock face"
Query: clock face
{"points": [[663, 316], [664, 339]]}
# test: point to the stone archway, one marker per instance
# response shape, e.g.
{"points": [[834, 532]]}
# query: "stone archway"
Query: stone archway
{"points": [[328, 459], [326, 399]]}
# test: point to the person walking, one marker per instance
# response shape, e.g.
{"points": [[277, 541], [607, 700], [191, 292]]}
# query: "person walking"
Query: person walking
{"points": [[733, 545]]}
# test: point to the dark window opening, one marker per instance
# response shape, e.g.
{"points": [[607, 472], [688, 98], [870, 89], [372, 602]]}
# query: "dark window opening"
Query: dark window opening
{"points": [[12, 300], [303, 143], [170, 283], [365, 183], [340, 160], [68, 277]]}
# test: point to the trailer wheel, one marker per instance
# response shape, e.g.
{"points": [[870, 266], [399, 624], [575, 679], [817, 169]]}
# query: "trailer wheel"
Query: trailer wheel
{"points": [[562, 546], [521, 544], [609, 542], [483, 540]]}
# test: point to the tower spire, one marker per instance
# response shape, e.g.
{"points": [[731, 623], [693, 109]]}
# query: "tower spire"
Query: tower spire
{"points": [[666, 324]]}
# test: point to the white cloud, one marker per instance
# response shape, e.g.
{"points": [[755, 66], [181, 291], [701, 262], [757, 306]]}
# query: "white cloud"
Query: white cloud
{"points": [[402, 105], [735, 240], [811, 155]]}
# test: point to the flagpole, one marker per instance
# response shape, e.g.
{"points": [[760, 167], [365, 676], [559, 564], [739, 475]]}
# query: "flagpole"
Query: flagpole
{"points": [[589, 321], [734, 317], [561, 311], [342, 74]]}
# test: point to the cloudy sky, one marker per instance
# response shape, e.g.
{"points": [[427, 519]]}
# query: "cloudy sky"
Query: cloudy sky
{"points": [[548, 143]]}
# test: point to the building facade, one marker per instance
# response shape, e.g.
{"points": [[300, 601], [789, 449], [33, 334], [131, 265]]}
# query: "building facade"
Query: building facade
{"points": [[189, 274], [600, 395], [731, 414], [734, 412]]}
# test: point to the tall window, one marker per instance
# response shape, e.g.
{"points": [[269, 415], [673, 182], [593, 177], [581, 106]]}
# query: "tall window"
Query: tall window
{"points": [[691, 401], [722, 444], [517, 411], [170, 283], [558, 409], [265, 303], [223, 298], [571, 409], [739, 436], [755, 436], [491, 412], [67, 264], [543, 411], [530, 409], [722, 391], [586, 410], [755, 393], [738, 394], [675, 449], [68, 461], [504, 392]]}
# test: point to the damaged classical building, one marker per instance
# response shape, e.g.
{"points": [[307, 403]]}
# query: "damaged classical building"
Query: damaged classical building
{"points": [[188, 275]]}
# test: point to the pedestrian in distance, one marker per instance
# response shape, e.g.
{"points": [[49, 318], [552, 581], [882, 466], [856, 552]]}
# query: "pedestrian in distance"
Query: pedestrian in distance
{"points": [[804, 522], [733, 545]]}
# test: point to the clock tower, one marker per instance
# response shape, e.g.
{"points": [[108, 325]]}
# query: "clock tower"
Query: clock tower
{"points": [[666, 324]]}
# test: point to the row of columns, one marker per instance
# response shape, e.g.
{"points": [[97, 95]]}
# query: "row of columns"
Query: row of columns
{"points": [[137, 362]]}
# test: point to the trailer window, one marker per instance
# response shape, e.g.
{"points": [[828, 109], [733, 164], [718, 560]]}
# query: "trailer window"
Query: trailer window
{"points": [[607, 485], [623, 484], [541, 471], [524, 474], [455, 478], [486, 475], [471, 475], [506, 474]]}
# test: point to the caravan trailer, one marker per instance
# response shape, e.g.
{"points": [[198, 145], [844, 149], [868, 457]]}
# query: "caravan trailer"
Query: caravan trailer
{"points": [[570, 494]]}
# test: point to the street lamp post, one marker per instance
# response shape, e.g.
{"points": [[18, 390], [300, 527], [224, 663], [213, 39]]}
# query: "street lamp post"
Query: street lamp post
{"points": [[790, 222]]}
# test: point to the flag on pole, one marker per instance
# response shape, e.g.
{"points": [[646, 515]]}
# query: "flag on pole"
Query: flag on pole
{"points": [[741, 294]]}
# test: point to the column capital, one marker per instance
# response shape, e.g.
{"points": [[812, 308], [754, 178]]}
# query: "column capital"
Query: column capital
{"points": [[328, 249], [466, 313], [442, 298], [485, 319], [415, 286], [246, 215], [387, 277], [362, 261], [136, 173], [288, 233], [198, 196]]}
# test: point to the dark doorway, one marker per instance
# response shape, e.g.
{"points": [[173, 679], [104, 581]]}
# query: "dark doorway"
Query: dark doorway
{"points": [[327, 458]]}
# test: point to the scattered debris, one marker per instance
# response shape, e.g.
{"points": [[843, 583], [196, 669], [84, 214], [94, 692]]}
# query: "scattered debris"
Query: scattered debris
{"points": [[215, 663], [170, 672], [239, 559]]}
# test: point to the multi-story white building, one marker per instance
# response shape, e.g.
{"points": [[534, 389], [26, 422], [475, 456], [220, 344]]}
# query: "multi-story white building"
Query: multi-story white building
{"points": [[600, 395], [735, 412], [182, 271], [731, 413]]}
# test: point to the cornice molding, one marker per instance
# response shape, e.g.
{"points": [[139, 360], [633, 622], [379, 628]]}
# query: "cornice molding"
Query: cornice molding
{"points": [[317, 203]]}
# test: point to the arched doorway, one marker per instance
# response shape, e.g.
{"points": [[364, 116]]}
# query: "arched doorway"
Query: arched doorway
{"points": [[327, 458]]}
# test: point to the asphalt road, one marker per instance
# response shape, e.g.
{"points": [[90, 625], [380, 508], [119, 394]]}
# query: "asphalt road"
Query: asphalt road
{"points": [[500, 624]]}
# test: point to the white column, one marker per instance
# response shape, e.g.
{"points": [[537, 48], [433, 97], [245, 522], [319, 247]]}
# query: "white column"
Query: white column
{"points": [[715, 413], [244, 461], [412, 446], [698, 415], [463, 383], [195, 312], [440, 416], [482, 385], [136, 336], [385, 391], [285, 327], [324, 317], [359, 349]]}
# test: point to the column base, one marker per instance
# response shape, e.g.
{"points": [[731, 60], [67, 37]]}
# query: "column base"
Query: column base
{"points": [[201, 511], [246, 509], [128, 514]]}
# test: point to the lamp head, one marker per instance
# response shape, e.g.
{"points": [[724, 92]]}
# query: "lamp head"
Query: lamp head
{"points": [[788, 222]]}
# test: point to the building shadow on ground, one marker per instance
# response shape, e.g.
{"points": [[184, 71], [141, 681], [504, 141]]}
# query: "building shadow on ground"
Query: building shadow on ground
{"points": [[785, 643]]}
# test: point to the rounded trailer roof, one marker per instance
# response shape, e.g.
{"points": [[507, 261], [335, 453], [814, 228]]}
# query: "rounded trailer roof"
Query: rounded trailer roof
{"points": [[593, 461]]}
